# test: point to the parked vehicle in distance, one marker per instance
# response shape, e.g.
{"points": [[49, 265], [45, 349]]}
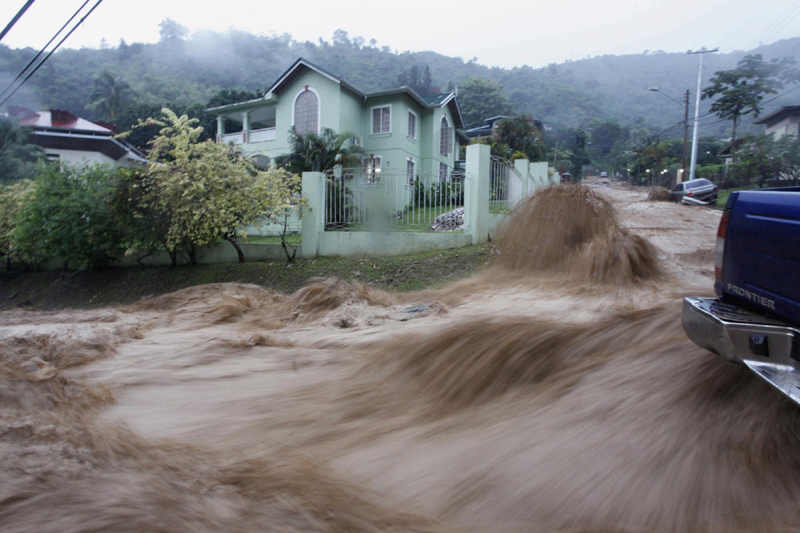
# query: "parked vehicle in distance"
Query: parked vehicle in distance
{"points": [[604, 174], [695, 192], [755, 319]]}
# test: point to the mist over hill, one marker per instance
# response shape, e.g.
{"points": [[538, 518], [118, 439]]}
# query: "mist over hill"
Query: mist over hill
{"points": [[191, 70]]}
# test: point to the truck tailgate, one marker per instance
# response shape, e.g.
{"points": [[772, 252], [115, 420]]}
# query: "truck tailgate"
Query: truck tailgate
{"points": [[762, 251]]}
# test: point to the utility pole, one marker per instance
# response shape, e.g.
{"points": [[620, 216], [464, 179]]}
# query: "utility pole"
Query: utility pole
{"points": [[685, 133], [700, 52]]}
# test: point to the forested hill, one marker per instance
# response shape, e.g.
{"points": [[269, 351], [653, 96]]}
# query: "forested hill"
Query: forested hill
{"points": [[190, 70]]}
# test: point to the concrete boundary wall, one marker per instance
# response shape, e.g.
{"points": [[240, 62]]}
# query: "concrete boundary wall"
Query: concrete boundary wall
{"points": [[373, 243]]}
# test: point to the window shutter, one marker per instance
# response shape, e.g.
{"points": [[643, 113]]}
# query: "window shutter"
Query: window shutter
{"points": [[306, 113], [442, 172], [376, 120], [386, 120]]}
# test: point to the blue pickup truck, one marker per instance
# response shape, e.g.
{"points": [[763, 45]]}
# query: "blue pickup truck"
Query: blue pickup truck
{"points": [[755, 319]]}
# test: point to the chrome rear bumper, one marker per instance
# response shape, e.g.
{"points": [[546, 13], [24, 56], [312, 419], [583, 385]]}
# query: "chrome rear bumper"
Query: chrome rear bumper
{"points": [[768, 347]]}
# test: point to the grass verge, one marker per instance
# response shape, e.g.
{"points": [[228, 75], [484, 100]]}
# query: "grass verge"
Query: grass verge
{"points": [[120, 286]]}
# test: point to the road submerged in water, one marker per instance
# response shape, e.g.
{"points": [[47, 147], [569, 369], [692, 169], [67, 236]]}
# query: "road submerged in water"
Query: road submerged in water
{"points": [[554, 391]]}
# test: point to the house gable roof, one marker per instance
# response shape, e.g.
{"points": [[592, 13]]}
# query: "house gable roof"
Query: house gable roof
{"points": [[780, 114], [298, 67], [55, 119], [427, 102]]}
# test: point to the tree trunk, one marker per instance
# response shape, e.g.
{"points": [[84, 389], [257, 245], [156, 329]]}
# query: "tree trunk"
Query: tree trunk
{"points": [[238, 248], [285, 245], [191, 252], [173, 254], [733, 140]]}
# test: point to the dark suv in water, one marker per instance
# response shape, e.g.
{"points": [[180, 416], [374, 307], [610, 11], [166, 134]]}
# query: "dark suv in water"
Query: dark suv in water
{"points": [[699, 191]]}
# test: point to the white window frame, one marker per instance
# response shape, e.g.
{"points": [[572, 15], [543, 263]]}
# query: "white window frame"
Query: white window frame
{"points": [[372, 120], [371, 178], [416, 125], [319, 107], [412, 176]]}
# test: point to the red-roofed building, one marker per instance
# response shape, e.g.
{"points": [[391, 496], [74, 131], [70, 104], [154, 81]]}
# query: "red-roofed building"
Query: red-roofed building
{"points": [[69, 139]]}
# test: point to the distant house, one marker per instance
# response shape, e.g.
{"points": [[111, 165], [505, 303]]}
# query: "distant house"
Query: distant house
{"points": [[398, 129], [784, 121], [66, 138], [489, 127]]}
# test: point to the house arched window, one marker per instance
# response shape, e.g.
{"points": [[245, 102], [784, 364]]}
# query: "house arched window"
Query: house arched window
{"points": [[306, 112], [445, 137]]}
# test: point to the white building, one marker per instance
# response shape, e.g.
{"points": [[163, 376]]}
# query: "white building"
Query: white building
{"points": [[72, 140], [784, 121]]}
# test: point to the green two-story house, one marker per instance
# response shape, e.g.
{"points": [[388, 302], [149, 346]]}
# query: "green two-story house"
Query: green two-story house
{"points": [[398, 130]]}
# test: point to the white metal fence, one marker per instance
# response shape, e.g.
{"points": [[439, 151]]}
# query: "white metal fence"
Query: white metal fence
{"points": [[365, 199], [505, 184]]}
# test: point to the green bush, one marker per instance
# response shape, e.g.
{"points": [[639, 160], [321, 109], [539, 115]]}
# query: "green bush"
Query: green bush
{"points": [[68, 216]]}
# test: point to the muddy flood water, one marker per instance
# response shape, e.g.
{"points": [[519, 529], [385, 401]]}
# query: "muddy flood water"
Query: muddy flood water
{"points": [[555, 391]]}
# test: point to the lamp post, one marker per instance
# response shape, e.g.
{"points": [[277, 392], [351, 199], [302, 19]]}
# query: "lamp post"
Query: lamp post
{"points": [[685, 106]]}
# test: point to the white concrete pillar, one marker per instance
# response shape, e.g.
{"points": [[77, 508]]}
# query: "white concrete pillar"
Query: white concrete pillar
{"points": [[220, 128], [476, 195], [245, 126], [523, 167], [313, 221]]}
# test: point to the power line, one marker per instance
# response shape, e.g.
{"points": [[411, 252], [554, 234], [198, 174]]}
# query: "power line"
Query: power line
{"points": [[19, 14], [42, 62], [770, 29], [36, 57]]}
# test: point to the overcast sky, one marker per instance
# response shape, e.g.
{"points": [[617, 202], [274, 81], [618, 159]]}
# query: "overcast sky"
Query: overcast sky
{"points": [[498, 32]]}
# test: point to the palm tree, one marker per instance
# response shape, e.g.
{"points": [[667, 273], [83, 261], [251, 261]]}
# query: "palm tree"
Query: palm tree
{"points": [[109, 95], [323, 151]]}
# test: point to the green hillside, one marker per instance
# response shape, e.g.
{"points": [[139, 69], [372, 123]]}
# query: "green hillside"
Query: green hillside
{"points": [[192, 70]]}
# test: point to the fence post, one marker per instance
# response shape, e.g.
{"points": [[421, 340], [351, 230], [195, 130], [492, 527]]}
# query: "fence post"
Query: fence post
{"points": [[476, 197], [523, 167], [313, 186]]}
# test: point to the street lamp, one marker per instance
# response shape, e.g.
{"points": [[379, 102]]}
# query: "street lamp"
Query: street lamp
{"points": [[685, 105], [655, 90]]}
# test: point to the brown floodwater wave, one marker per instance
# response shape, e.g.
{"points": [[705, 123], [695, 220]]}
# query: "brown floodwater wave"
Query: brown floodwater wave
{"points": [[562, 404]]}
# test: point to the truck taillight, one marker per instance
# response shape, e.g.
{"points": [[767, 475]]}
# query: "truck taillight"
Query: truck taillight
{"points": [[690, 193], [719, 248]]}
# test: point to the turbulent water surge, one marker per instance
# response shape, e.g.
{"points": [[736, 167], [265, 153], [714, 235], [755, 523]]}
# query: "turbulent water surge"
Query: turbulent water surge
{"points": [[554, 391]]}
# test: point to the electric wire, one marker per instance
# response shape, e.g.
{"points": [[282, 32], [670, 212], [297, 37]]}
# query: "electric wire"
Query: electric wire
{"points": [[42, 62], [38, 55], [14, 20]]}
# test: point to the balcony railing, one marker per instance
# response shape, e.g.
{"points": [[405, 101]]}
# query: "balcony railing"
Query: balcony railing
{"points": [[235, 138], [253, 136], [262, 135]]}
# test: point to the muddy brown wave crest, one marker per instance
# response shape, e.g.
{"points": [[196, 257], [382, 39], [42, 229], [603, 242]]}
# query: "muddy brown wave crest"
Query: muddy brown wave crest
{"points": [[478, 360], [572, 230], [65, 471], [659, 194]]}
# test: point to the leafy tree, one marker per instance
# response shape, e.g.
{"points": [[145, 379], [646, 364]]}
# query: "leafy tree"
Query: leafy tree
{"points": [[771, 157], [171, 32], [209, 190], [481, 99], [144, 224], [11, 199], [421, 82], [520, 134], [739, 91], [318, 152], [109, 95], [18, 156], [67, 216]]}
